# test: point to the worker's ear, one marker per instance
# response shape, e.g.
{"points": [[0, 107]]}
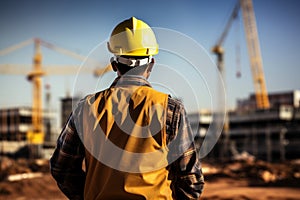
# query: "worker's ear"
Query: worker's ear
{"points": [[151, 64], [114, 66]]}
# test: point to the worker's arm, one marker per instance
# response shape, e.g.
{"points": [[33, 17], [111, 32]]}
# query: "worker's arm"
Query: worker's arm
{"points": [[187, 176], [185, 168], [66, 162]]}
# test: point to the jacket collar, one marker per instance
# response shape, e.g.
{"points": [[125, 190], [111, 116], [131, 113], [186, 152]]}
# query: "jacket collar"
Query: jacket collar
{"points": [[127, 80]]}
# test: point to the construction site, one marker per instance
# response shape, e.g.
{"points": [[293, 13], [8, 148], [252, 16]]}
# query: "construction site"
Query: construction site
{"points": [[257, 155]]}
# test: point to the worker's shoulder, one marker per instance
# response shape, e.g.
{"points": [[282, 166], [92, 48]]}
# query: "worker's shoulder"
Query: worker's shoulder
{"points": [[89, 98], [149, 90], [175, 103]]}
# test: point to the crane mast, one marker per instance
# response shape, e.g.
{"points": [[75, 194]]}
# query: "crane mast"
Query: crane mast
{"points": [[261, 94], [36, 135]]}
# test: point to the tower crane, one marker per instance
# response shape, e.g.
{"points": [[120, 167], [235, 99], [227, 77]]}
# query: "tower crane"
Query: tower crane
{"points": [[261, 94], [36, 134]]}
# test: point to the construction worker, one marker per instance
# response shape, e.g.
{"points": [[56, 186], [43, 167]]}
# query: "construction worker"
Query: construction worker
{"points": [[136, 142]]}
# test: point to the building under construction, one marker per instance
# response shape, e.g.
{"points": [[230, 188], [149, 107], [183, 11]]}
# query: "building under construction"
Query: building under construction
{"points": [[272, 134], [15, 126], [16, 123], [268, 134]]}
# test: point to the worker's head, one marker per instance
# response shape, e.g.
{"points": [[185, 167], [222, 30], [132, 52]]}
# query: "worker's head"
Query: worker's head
{"points": [[133, 44]]}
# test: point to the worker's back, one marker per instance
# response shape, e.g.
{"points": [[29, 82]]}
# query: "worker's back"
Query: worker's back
{"points": [[124, 135]]}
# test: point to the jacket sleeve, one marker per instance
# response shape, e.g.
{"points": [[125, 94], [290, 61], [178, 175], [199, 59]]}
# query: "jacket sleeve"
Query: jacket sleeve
{"points": [[66, 162], [185, 168]]}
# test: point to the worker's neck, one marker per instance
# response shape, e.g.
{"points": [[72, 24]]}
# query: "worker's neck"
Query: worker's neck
{"points": [[144, 75]]}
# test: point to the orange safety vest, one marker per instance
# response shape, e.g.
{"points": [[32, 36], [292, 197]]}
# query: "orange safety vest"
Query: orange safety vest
{"points": [[123, 117]]}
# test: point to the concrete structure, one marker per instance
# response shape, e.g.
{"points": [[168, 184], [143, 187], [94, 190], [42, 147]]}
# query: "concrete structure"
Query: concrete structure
{"points": [[15, 124], [291, 98], [67, 104], [272, 134]]}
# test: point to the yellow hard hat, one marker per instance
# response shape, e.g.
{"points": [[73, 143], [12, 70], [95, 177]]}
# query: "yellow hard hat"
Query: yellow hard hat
{"points": [[133, 37]]}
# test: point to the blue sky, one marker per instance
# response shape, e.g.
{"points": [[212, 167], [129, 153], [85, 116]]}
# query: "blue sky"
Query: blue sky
{"points": [[81, 25]]}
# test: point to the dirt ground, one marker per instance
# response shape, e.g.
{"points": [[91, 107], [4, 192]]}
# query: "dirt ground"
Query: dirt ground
{"points": [[234, 180], [229, 188]]}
